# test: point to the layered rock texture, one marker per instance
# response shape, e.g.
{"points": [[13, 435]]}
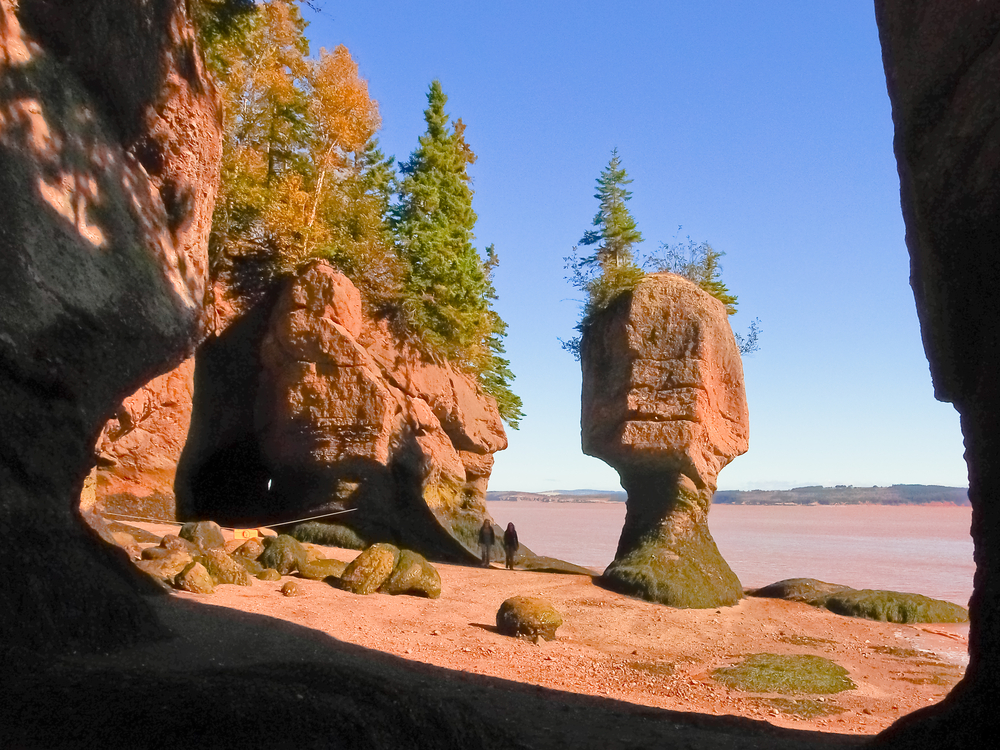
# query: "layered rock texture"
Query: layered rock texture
{"points": [[109, 157], [942, 65], [310, 407], [664, 404]]}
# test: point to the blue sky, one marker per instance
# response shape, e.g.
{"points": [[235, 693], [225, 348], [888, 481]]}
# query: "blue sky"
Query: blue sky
{"points": [[763, 128]]}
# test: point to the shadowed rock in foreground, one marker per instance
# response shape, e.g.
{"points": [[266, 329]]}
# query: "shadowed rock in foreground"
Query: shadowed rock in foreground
{"points": [[109, 158], [664, 404], [942, 64]]}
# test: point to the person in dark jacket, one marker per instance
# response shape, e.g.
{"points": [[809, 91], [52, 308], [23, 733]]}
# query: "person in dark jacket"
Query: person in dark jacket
{"points": [[510, 545], [486, 539]]}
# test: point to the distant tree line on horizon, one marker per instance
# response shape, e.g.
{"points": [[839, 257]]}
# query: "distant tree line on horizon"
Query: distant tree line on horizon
{"points": [[303, 178], [897, 494]]}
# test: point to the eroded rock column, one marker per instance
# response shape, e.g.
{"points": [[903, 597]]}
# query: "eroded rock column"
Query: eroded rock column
{"points": [[664, 404]]}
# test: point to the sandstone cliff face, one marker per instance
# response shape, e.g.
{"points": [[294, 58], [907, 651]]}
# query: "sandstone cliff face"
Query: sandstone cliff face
{"points": [[664, 404], [343, 415], [942, 64], [140, 446], [109, 151]]}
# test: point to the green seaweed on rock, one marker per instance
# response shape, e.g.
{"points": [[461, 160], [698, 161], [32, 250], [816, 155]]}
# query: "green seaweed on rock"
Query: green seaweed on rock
{"points": [[776, 673]]}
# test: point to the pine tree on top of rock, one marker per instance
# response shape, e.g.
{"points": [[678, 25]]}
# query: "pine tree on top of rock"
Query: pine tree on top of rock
{"points": [[611, 269], [448, 288]]}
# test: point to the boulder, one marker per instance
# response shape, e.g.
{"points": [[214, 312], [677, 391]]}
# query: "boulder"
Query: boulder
{"points": [[318, 570], [369, 570], [413, 575], [871, 604], [139, 447], [165, 567], [284, 554], [292, 588], [529, 618], [664, 404], [337, 412], [224, 569], [195, 578], [269, 574], [328, 534], [109, 156], [251, 549], [203, 534], [941, 68], [172, 541]]}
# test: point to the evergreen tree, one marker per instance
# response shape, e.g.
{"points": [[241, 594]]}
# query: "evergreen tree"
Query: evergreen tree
{"points": [[611, 269], [447, 288]]}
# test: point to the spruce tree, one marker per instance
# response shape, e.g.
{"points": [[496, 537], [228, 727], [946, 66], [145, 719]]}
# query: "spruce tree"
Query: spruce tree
{"points": [[447, 288], [611, 269]]}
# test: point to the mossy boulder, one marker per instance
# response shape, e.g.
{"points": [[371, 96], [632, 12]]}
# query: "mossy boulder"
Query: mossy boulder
{"points": [[329, 534], [871, 604], [292, 588], [251, 549], [224, 569], [167, 567], [785, 673], [413, 575], [283, 553], [251, 566], [685, 571], [528, 617], [195, 578], [369, 570], [317, 570], [204, 534], [269, 574], [894, 606]]}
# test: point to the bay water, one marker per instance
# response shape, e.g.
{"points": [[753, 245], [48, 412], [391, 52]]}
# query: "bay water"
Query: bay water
{"points": [[921, 549]]}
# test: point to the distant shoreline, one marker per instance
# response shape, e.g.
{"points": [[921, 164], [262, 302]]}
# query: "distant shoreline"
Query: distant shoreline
{"points": [[897, 494]]}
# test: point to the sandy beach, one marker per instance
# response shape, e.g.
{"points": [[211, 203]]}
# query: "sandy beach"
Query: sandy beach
{"points": [[629, 650]]}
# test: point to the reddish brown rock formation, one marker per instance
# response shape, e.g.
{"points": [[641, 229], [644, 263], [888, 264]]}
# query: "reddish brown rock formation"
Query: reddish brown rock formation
{"points": [[942, 67], [139, 447], [664, 404], [109, 153], [339, 414]]}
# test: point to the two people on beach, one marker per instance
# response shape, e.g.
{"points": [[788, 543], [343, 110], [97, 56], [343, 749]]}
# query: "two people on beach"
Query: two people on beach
{"points": [[487, 538]]}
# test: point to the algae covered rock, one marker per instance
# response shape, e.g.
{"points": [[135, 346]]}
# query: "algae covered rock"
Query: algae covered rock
{"points": [[195, 578], [317, 570], [292, 588], [528, 617], [871, 604], [269, 574], [329, 534], [413, 575], [284, 554], [205, 534], [894, 606], [224, 569], [369, 570], [789, 673], [663, 403]]}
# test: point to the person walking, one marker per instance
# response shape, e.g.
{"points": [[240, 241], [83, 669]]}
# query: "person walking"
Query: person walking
{"points": [[510, 545], [487, 537]]}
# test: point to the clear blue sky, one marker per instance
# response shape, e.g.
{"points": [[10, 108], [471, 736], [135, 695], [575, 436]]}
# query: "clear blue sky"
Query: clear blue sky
{"points": [[763, 128]]}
